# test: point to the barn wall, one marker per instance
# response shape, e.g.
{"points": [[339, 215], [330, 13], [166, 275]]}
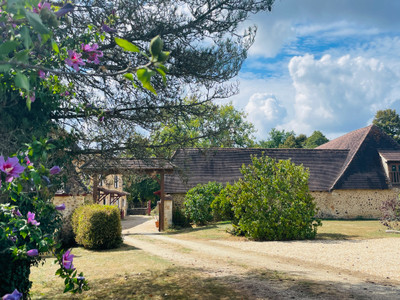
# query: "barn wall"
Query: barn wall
{"points": [[352, 204], [340, 204]]}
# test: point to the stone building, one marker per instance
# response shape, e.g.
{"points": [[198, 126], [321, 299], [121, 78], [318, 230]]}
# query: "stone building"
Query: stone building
{"points": [[349, 176]]}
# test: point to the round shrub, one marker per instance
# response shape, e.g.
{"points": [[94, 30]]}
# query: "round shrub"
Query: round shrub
{"points": [[221, 207], [272, 201], [197, 204], [97, 226]]}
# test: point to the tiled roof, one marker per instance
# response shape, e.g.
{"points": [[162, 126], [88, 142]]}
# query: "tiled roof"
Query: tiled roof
{"points": [[363, 168], [390, 155], [194, 166], [351, 161], [121, 165]]}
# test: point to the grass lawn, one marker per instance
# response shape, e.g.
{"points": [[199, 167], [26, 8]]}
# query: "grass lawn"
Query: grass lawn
{"points": [[128, 273]]}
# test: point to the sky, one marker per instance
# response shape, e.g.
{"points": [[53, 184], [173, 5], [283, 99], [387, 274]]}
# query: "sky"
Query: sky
{"points": [[321, 65]]}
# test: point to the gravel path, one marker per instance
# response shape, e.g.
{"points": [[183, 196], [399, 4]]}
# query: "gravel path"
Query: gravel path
{"points": [[356, 269]]}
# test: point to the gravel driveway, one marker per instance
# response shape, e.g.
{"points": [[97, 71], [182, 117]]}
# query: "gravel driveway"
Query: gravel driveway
{"points": [[351, 269]]}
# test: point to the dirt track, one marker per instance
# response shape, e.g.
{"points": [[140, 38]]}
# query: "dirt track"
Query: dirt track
{"points": [[365, 269]]}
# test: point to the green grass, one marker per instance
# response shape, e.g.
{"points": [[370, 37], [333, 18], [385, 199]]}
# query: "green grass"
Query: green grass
{"points": [[129, 273]]}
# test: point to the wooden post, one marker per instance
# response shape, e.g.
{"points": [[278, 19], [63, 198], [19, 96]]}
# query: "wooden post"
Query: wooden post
{"points": [[162, 198], [95, 185]]}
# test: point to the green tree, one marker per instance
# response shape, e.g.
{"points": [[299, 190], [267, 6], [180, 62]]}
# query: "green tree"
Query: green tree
{"points": [[315, 140], [389, 121], [276, 138], [217, 126], [141, 189], [272, 201]]}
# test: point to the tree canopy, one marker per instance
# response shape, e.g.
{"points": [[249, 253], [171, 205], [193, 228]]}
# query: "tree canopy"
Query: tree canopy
{"points": [[389, 121], [316, 139], [104, 111]]}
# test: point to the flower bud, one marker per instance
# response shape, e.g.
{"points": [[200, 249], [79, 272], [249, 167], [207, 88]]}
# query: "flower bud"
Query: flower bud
{"points": [[156, 46]]}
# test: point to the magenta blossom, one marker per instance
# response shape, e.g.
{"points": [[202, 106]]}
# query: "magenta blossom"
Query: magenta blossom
{"points": [[32, 252], [16, 295], [74, 60], [42, 74], [16, 212], [94, 54], [60, 207], [31, 219], [67, 259], [11, 167], [107, 28], [55, 170]]}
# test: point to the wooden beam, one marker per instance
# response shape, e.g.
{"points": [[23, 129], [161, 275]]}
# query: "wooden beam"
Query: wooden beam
{"points": [[162, 198], [95, 185]]}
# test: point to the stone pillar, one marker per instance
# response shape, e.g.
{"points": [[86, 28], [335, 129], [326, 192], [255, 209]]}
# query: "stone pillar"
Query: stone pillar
{"points": [[167, 213]]}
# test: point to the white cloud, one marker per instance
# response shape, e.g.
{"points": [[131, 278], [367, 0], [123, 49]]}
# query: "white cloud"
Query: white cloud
{"points": [[335, 94], [264, 111]]}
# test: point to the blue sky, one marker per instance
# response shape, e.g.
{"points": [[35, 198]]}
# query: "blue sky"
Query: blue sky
{"points": [[321, 65]]}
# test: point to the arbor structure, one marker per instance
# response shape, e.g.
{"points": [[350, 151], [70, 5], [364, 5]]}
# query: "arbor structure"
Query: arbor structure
{"points": [[389, 121]]}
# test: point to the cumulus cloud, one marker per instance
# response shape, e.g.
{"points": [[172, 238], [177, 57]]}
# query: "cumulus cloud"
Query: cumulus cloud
{"points": [[264, 111], [333, 94]]}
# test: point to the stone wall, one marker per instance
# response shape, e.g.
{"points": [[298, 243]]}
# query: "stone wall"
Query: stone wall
{"points": [[352, 204], [340, 204], [72, 202]]}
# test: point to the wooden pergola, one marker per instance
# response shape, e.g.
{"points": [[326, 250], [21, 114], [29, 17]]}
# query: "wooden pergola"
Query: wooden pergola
{"points": [[150, 167]]}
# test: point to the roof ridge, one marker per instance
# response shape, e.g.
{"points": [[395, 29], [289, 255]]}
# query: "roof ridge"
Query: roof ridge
{"points": [[352, 156]]}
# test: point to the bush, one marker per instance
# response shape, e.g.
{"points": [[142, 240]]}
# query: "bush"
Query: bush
{"points": [[221, 207], [272, 201], [179, 219], [197, 204], [97, 226], [14, 275], [391, 213]]}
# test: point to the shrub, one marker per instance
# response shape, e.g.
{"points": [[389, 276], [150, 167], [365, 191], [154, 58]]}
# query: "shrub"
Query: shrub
{"points": [[221, 207], [391, 213], [272, 201], [97, 226], [179, 219], [197, 204]]}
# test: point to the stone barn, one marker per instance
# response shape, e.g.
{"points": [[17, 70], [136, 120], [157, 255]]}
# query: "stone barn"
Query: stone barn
{"points": [[349, 176]]}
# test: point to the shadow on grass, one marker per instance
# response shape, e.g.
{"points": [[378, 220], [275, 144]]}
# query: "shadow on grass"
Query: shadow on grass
{"points": [[188, 283], [335, 236], [189, 229]]}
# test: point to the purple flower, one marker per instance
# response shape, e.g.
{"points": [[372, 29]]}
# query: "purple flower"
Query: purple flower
{"points": [[60, 207], [42, 74], [80, 278], [94, 54], [14, 296], [64, 10], [11, 167], [55, 170], [12, 238], [67, 259], [16, 212], [31, 219], [74, 60], [32, 252], [32, 97], [107, 29]]}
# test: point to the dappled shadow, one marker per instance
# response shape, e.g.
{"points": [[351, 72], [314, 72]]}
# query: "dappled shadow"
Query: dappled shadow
{"points": [[335, 236], [188, 229], [195, 283]]}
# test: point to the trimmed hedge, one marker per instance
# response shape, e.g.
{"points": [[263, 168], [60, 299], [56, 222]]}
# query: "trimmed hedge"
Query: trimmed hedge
{"points": [[14, 275], [97, 226]]}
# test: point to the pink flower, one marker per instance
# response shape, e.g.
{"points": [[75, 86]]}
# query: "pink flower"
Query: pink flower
{"points": [[55, 170], [67, 259], [32, 97], [74, 60], [31, 219], [32, 252], [42, 74], [93, 53], [11, 167]]}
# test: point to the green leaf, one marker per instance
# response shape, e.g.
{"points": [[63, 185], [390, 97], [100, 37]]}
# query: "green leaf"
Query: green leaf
{"points": [[144, 76], [26, 37], [22, 56], [129, 76], [7, 47], [127, 46], [36, 22], [5, 68], [22, 81], [159, 70], [28, 103], [55, 47]]}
